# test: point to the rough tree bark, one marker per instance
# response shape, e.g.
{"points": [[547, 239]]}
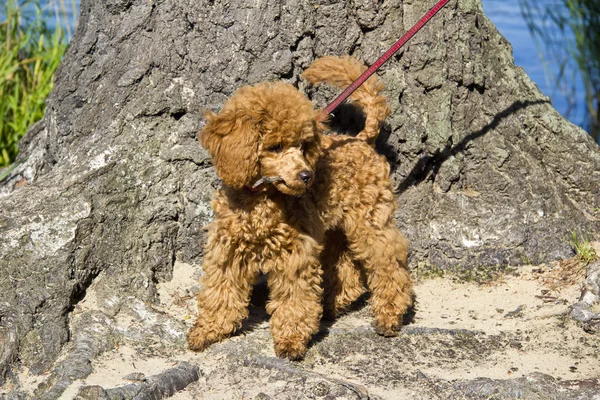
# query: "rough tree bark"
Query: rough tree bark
{"points": [[115, 187]]}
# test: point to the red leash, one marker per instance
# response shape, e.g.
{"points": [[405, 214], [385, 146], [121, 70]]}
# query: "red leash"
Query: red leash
{"points": [[365, 75]]}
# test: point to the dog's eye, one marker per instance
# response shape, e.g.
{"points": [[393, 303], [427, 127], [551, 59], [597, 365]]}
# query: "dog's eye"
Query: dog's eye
{"points": [[275, 148]]}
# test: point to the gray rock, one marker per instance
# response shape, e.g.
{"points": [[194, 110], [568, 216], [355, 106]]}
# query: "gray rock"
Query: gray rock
{"points": [[584, 310]]}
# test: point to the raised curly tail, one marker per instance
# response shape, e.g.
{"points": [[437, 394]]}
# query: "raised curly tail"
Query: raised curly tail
{"points": [[341, 72]]}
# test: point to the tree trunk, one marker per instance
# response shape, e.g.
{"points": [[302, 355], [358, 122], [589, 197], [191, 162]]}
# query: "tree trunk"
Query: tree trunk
{"points": [[115, 187]]}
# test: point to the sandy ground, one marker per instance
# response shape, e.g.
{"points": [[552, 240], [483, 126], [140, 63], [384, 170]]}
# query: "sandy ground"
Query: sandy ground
{"points": [[526, 311]]}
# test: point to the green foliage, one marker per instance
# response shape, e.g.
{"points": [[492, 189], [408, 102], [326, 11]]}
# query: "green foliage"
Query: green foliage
{"points": [[570, 31], [29, 54], [583, 248]]}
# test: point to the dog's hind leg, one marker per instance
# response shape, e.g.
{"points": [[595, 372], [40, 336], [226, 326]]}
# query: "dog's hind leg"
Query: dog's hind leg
{"points": [[227, 286], [342, 279], [295, 297], [383, 253]]}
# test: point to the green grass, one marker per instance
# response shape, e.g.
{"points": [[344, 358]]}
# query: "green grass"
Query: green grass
{"points": [[29, 54], [583, 248]]}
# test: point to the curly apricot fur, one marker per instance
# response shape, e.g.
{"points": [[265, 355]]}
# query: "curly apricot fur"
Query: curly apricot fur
{"points": [[321, 228]]}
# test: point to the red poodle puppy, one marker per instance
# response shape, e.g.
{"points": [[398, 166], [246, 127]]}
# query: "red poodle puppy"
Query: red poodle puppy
{"points": [[314, 212]]}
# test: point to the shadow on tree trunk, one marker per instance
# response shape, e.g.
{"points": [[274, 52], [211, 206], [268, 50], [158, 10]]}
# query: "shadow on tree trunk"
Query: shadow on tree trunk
{"points": [[429, 164]]}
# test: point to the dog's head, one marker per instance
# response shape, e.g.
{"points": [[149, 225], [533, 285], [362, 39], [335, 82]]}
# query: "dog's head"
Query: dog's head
{"points": [[265, 134]]}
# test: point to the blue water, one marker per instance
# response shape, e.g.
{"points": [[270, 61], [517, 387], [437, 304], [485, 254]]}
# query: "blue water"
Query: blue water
{"points": [[505, 14], [63, 11]]}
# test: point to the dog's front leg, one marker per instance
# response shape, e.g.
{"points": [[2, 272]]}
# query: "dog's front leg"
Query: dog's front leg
{"points": [[230, 274], [295, 303]]}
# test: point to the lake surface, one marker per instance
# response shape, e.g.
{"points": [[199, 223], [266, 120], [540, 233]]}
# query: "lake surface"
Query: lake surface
{"points": [[505, 14]]}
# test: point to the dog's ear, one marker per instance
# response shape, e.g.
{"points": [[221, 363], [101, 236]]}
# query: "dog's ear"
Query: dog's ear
{"points": [[231, 138], [312, 148]]}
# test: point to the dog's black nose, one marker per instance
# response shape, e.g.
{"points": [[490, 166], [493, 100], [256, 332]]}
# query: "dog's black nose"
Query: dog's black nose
{"points": [[305, 176]]}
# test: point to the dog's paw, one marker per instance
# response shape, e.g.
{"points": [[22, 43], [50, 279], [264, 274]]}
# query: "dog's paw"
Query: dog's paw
{"points": [[387, 327], [291, 348], [199, 339]]}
